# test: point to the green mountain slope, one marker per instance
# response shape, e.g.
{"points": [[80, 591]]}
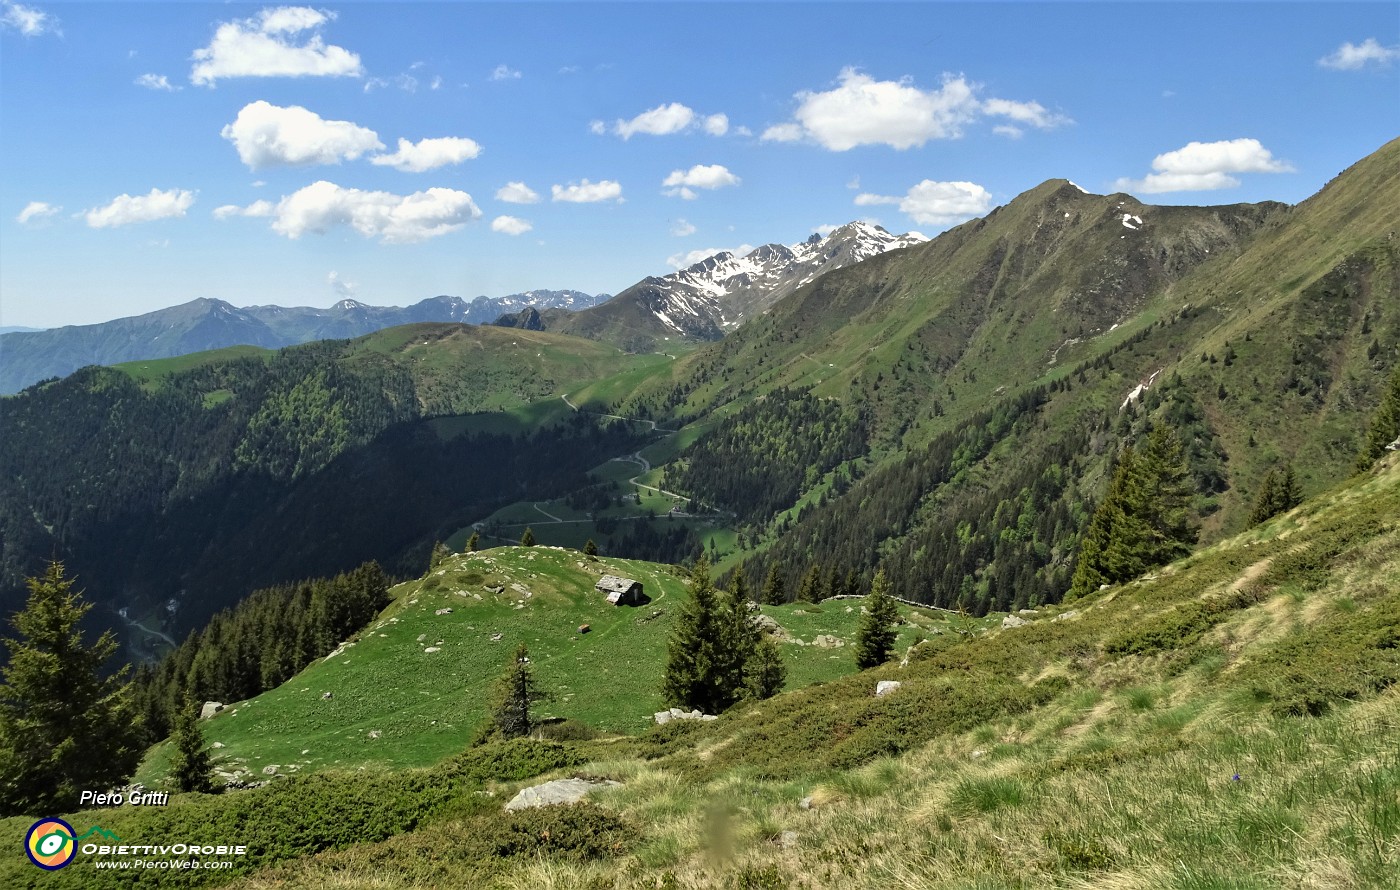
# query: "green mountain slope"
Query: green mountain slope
{"points": [[302, 462], [1227, 721]]}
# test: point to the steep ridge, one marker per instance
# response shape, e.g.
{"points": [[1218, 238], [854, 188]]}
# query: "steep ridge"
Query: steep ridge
{"points": [[717, 294]]}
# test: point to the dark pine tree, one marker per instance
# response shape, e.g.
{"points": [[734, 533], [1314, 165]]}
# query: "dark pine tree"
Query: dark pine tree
{"points": [[473, 542], [590, 548], [64, 726], [1145, 520], [190, 768], [528, 539], [774, 587], [1385, 425], [876, 635], [516, 690]]}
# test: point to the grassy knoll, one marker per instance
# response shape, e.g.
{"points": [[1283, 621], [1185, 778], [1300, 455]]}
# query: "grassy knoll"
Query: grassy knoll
{"points": [[148, 372], [395, 704]]}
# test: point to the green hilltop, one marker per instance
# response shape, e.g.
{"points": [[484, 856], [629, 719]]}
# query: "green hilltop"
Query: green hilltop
{"points": [[413, 687]]}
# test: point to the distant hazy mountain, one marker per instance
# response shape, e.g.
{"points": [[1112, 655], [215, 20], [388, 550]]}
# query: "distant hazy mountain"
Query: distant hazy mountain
{"points": [[27, 357], [18, 330], [717, 294]]}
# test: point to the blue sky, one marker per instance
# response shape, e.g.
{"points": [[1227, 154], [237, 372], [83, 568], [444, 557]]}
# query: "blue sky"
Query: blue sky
{"points": [[154, 153]]}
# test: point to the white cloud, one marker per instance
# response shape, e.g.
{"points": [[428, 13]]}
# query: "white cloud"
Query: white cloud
{"points": [[1351, 56], [854, 183], [681, 183], [258, 209], [1030, 114], [824, 230], [267, 46], [437, 82], [681, 228], [127, 209], [268, 135], [429, 154], [27, 20], [936, 203], [586, 192], [510, 225], [504, 72], [517, 193], [156, 82], [597, 128], [861, 110], [406, 82], [742, 131], [690, 258], [782, 133], [340, 285], [1008, 131], [37, 212], [716, 124], [1205, 166], [864, 111], [662, 120], [393, 219]]}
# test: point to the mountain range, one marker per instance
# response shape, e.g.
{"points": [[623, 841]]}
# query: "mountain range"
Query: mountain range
{"points": [[716, 295], [949, 412], [203, 324]]}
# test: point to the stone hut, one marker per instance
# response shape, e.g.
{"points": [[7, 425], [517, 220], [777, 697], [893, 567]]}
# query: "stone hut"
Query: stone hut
{"points": [[621, 591]]}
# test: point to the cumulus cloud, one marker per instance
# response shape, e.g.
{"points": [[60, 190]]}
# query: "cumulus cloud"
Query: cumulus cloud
{"points": [[127, 209], [273, 44], [268, 135], [1031, 114], [682, 183], [824, 230], [36, 212], [1351, 56], [510, 225], [257, 209], [936, 203], [690, 258], [429, 154], [861, 110], [597, 128], [1205, 166], [662, 120], [340, 285], [716, 124], [27, 20], [586, 192], [517, 193], [681, 228], [156, 82], [393, 219]]}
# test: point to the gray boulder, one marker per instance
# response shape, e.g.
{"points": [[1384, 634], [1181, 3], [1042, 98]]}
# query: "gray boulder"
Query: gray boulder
{"points": [[885, 687], [1012, 621], [210, 709], [560, 791]]}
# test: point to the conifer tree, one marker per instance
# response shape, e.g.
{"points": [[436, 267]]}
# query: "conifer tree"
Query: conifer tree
{"points": [[473, 542], [1385, 425], [708, 648], [876, 635], [440, 552], [764, 672], [1278, 493], [64, 727], [1265, 501], [590, 548], [190, 767], [1145, 520], [516, 690], [528, 539], [810, 591], [774, 587]]}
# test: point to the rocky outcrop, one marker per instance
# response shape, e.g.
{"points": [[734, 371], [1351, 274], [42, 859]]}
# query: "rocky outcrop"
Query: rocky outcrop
{"points": [[560, 791]]}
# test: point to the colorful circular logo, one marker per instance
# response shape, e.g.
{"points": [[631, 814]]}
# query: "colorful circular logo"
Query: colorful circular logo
{"points": [[50, 844]]}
